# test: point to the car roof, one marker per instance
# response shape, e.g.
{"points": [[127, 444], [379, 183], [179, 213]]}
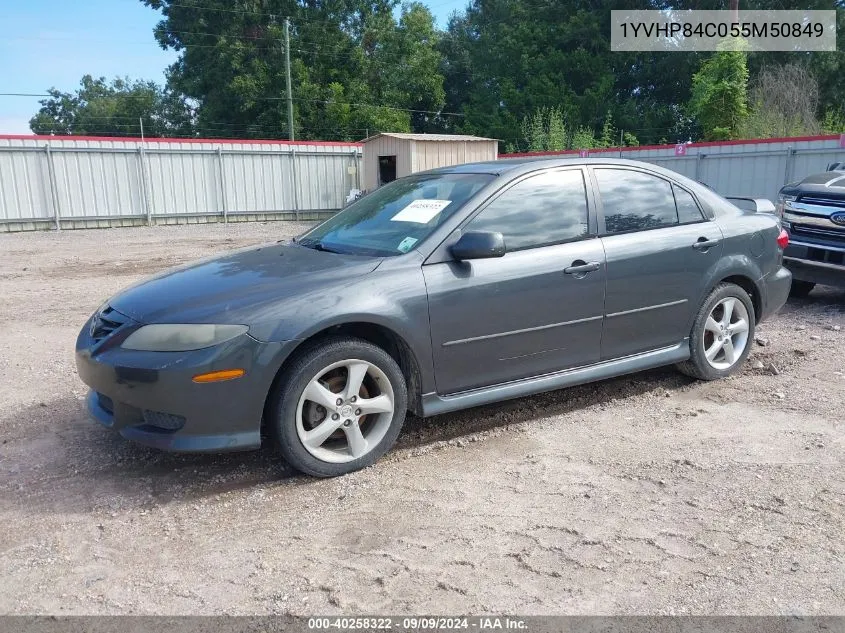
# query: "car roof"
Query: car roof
{"points": [[527, 163]]}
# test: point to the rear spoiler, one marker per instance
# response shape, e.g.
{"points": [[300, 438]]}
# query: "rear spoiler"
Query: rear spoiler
{"points": [[758, 205]]}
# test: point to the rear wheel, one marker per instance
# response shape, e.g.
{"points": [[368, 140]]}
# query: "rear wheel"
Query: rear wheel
{"points": [[801, 289], [721, 335], [340, 407]]}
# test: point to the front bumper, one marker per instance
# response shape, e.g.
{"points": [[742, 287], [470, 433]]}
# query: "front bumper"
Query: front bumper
{"points": [[819, 263], [149, 397]]}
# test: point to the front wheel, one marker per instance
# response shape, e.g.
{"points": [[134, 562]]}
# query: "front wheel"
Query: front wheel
{"points": [[339, 408], [721, 335]]}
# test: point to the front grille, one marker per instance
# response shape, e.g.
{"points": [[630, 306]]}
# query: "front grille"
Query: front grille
{"points": [[823, 201], [106, 322], [825, 256], [816, 232], [163, 421]]}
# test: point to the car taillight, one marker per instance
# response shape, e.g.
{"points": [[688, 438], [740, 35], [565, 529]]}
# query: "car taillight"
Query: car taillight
{"points": [[783, 239]]}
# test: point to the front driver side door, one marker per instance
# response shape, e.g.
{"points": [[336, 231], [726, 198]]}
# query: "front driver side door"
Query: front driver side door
{"points": [[527, 313]]}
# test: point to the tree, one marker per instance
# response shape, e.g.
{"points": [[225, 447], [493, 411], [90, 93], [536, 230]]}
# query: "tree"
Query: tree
{"points": [[833, 122], [608, 132], [584, 138], [557, 130], [535, 132], [116, 108], [629, 140], [720, 94], [355, 67], [784, 101]]}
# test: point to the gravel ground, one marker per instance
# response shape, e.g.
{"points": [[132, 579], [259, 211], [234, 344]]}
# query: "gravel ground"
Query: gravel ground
{"points": [[648, 494]]}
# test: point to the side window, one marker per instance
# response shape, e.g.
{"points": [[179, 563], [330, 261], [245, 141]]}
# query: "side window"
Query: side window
{"points": [[541, 210], [634, 201], [688, 210]]}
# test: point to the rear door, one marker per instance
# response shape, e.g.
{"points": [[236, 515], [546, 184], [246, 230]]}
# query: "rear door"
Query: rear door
{"points": [[659, 247], [529, 312]]}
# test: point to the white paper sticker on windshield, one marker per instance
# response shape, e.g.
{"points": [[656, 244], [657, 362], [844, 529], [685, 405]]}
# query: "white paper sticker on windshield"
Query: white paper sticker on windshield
{"points": [[421, 211], [407, 244]]}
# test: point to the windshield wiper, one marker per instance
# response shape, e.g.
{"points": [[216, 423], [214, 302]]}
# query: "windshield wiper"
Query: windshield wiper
{"points": [[319, 246]]}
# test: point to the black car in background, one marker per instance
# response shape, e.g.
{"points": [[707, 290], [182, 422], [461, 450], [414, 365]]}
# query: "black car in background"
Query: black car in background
{"points": [[813, 213]]}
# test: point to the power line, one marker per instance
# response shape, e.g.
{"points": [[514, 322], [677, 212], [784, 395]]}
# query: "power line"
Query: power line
{"points": [[238, 11], [371, 105], [252, 13]]}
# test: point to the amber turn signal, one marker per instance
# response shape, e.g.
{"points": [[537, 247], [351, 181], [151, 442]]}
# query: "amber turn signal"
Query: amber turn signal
{"points": [[218, 376]]}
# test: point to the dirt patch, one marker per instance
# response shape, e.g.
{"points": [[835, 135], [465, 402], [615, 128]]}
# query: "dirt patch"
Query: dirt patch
{"points": [[649, 493]]}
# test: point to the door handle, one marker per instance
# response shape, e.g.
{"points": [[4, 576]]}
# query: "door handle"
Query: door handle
{"points": [[579, 267], [704, 244]]}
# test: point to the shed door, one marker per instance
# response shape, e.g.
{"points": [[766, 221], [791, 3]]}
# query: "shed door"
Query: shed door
{"points": [[386, 169]]}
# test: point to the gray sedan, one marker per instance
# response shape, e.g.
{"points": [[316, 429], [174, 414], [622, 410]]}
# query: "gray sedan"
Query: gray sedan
{"points": [[444, 290]]}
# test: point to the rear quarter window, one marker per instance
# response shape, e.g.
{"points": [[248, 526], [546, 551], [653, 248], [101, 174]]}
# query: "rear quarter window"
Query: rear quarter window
{"points": [[688, 209]]}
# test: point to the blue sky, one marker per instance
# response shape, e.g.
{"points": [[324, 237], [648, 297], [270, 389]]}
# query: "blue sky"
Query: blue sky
{"points": [[53, 43]]}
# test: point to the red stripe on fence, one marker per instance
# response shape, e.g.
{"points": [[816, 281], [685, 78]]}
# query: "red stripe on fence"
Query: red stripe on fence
{"points": [[788, 139], [127, 139]]}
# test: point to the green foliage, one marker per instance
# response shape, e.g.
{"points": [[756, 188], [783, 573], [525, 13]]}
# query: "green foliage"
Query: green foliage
{"points": [[356, 67], [538, 75], [503, 59], [116, 108], [609, 137], [720, 94], [546, 129], [783, 101], [556, 130], [833, 121], [584, 138], [534, 131]]}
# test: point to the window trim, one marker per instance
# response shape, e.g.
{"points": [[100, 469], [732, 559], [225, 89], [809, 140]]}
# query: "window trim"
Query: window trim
{"points": [[602, 227], [694, 201], [589, 198]]}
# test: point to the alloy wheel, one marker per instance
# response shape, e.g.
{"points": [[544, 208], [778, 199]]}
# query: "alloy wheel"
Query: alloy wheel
{"points": [[345, 411], [725, 333]]}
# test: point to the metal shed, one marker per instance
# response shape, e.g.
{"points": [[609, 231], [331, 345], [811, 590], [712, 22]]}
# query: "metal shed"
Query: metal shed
{"points": [[391, 155]]}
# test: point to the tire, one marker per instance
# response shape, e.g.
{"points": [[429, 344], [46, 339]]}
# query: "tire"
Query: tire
{"points": [[705, 334], [800, 289], [307, 399]]}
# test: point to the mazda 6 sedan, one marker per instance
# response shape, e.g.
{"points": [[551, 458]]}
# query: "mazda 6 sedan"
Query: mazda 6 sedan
{"points": [[444, 290]]}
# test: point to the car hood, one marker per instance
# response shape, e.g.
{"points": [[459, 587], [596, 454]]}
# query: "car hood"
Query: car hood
{"points": [[829, 184], [237, 286]]}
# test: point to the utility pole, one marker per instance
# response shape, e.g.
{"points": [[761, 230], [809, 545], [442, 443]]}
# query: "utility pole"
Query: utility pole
{"points": [[141, 121], [734, 11], [287, 78]]}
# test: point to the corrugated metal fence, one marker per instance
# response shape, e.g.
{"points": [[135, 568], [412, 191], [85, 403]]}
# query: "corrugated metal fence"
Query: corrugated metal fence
{"points": [[53, 182], [755, 168]]}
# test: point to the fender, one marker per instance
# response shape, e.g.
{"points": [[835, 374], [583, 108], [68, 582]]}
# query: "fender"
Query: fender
{"points": [[733, 265], [384, 298]]}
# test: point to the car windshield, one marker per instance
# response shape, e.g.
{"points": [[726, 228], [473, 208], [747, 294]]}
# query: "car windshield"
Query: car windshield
{"points": [[393, 219]]}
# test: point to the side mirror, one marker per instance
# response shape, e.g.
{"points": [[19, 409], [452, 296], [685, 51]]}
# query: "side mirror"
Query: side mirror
{"points": [[478, 245]]}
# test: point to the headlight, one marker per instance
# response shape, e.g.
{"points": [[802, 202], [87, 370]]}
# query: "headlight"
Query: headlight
{"points": [[180, 337], [782, 202]]}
